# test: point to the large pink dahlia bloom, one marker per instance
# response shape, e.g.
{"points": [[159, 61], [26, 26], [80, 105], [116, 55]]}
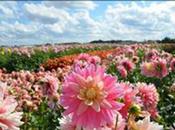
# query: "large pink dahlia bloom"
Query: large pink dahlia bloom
{"points": [[9, 119], [90, 96]]}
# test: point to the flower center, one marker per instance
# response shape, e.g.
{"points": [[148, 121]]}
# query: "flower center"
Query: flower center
{"points": [[149, 66], [91, 94]]}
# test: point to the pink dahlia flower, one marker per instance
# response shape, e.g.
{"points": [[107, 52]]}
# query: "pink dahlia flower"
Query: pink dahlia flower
{"points": [[123, 72], [149, 97], [66, 123], [152, 54], [127, 64], [148, 69], [94, 60], [82, 60], [161, 69], [9, 119], [83, 57], [135, 59], [90, 95], [129, 98], [129, 52], [146, 124], [172, 64], [50, 86]]}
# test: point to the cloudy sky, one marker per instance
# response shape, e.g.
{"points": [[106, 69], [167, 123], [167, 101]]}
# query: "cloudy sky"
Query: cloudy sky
{"points": [[64, 21]]}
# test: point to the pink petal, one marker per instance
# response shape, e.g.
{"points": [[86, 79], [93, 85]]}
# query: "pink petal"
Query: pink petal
{"points": [[82, 108]]}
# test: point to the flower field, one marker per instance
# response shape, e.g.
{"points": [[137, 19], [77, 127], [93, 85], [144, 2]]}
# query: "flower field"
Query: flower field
{"points": [[87, 87]]}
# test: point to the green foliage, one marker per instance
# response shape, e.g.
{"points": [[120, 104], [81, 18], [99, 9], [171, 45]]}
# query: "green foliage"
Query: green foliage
{"points": [[16, 62], [42, 119]]}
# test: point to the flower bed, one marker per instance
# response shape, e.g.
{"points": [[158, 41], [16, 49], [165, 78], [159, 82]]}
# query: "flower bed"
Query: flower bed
{"points": [[130, 87]]}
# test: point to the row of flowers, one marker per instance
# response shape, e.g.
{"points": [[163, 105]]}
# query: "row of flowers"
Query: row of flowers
{"points": [[102, 54], [56, 48], [69, 60]]}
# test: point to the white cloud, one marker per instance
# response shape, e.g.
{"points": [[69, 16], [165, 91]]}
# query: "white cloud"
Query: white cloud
{"points": [[133, 21], [7, 9], [89, 5], [62, 21], [47, 15], [52, 21]]}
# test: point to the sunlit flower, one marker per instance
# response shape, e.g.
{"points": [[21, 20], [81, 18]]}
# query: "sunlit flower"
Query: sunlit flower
{"points": [[146, 124], [9, 119], [148, 69], [66, 123], [90, 95], [135, 59]]}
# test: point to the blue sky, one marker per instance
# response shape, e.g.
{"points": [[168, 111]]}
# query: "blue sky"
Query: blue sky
{"points": [[38, 22]]}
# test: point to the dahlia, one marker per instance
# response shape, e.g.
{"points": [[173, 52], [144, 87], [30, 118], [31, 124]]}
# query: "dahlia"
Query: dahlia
{"points": [[90, 95], [94, 60], [172, 88], [9, 119], [152, 54], [66, 123], [127, 64], [161, 69], [149, 97], [166, 55], [172, 64], [135, 59], [123, 72], [146, 124], [83, 57], [129, 98], [50, 86], [82, 60], [129, 52], [148, 69]]}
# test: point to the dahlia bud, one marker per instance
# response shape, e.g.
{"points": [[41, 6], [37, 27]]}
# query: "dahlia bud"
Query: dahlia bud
{"points": [[135, 109]]}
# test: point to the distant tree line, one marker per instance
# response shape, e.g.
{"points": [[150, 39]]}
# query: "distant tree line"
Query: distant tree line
{"points": [[167, 40], [112, 41], [164, 40]]}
